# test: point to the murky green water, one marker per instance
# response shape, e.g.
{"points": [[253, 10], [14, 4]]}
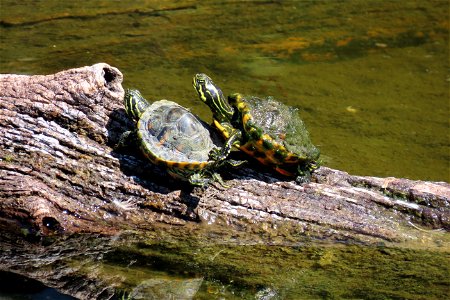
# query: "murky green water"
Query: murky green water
{"points": [[371, 77], [303, 272], [208, 267]]}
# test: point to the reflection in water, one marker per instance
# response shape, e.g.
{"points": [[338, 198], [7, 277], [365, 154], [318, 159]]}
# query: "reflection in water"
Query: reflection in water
{"points": [[161, 266], [164, 288]]}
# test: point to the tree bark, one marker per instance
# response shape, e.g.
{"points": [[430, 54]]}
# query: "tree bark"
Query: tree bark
{"points": [[59, 173]]}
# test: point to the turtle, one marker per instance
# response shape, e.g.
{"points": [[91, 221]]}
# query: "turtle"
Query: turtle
{"points": [[264, 128], [172, 137]]}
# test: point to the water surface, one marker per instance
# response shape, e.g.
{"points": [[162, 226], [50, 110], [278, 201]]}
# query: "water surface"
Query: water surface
{"points": [[371, 77]]}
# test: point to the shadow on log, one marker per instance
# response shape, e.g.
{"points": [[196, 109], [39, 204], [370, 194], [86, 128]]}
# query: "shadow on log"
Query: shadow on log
{"points": [[60, 175]]}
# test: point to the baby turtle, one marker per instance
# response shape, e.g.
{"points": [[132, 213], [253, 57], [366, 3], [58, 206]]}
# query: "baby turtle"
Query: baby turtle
{"points": [[172, 137], [265, 129]]}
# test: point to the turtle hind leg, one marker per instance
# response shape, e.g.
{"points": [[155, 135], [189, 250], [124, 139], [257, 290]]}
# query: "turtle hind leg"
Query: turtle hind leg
{"points": [[220, 155], [217, 154], [305, 171], [195, 179], [305, 177]]}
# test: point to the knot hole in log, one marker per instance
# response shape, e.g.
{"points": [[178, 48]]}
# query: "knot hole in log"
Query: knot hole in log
{"points": [[112, 78]]}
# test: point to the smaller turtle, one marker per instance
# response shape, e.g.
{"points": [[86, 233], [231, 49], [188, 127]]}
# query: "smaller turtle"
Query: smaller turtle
{"points": [[265, 129], [172, 137]]}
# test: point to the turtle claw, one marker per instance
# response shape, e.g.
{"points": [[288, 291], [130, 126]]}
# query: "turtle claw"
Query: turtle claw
{"points": [[305, 178], [304, 175], [198, 180], [216, 154], [201, 180], [218, 178], [236, 163]]}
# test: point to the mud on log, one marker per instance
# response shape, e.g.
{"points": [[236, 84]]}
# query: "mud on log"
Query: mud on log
{"points": [[60, 174]]}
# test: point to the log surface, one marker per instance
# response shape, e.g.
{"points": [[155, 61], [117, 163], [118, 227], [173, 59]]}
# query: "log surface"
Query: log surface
{"points": [[59, 173]]}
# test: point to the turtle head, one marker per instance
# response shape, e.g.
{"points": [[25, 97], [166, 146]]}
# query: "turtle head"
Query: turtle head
{"points": [[135, 104], [212, 95]]}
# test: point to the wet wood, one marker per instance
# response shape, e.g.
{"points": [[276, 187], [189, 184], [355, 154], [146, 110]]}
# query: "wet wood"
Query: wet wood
{"points": [[59, 173]]}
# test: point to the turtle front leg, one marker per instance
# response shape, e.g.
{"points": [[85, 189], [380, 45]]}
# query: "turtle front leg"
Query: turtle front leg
{"points": [[205, 177], [198, 179], [220, 154]]}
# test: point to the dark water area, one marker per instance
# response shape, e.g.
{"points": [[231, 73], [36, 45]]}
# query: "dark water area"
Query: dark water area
{"points": [[371, 80], [18, 287]]}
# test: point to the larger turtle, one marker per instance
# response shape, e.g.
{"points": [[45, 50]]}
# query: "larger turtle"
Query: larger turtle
{"points": [[172, 137], [265, 129]]}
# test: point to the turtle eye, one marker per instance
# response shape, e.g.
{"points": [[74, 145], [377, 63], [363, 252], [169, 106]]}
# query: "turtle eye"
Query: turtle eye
{"points": [[200, 85], [199, 80]]}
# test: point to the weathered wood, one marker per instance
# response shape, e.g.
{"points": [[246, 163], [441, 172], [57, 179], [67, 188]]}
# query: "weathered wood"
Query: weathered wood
{"points": [[59, 173]]}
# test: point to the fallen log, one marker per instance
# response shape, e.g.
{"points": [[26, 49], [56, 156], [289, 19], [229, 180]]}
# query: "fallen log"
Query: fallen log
{"points": [[59, 173], [60, 176]]}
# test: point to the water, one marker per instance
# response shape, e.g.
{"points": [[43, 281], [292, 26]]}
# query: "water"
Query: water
{"points": [[371, 79], [208, 267]]}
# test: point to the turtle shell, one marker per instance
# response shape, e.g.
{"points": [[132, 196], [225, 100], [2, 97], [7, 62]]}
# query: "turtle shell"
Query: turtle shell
{"points": [[274, 134], [283, 124], [172, 136]]}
